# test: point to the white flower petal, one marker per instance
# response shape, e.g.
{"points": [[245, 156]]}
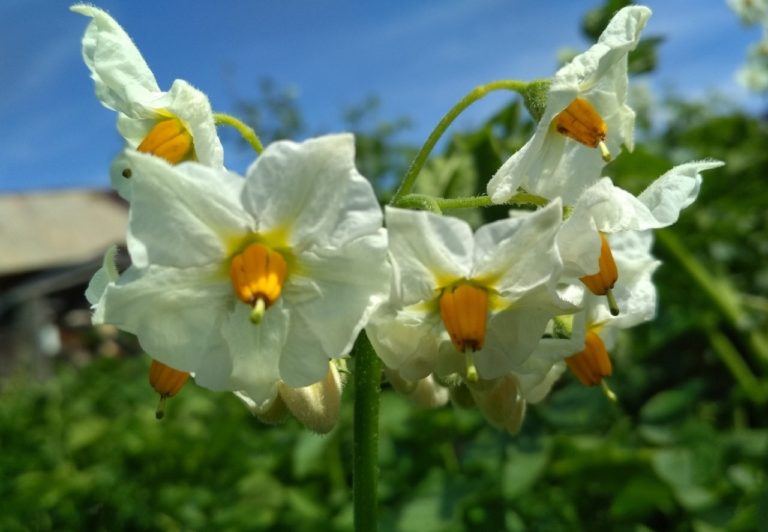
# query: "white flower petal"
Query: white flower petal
{"points": [[534, 391], [674, 191], [181, 215], [350, 283], [175, 313], [579, 244], [254, 353], [614, 209], [121, 76], [105, 276], [303, 360], [514, 333], [428, 251], [405, 345], [519, 253], [194, 110], [312, 189]]}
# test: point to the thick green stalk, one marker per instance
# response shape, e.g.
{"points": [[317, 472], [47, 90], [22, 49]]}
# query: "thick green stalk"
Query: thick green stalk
{"points": [[365, 474], [421, 157], [245, 131]]}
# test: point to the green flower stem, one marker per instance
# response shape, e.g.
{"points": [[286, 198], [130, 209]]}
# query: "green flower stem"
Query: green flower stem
{"points": [[736, 365], [431, 203], [245, 131], [421, 157], [365, 472], [719, 292]]}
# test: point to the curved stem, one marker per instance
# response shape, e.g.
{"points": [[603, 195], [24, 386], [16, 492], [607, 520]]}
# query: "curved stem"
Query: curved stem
{"points": [[365, 472], [431, 203], [421, 157], [245, 131]]}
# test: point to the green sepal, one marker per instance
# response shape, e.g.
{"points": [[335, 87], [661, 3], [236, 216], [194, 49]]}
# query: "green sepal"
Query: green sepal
{"points": [[535, 97]]}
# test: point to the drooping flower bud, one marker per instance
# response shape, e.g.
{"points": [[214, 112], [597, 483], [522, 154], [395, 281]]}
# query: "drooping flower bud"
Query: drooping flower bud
{"points": [[424, 393], [593, 363], [167, 382], [316, 406], [464, 310], [257, 275], [276, 413], [500, 402], [602, 282], [581, 122]]}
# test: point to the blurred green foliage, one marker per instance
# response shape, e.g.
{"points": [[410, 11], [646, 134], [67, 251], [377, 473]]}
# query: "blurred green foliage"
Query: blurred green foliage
{"points": [[684, 448]]}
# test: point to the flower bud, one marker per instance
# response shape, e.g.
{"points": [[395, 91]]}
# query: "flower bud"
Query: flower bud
{"points": [[500, 402], [316, 406], [424, 393], [274, 415]]}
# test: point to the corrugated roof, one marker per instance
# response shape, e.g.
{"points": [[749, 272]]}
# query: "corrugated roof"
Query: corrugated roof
{"points": [[52, 229]]}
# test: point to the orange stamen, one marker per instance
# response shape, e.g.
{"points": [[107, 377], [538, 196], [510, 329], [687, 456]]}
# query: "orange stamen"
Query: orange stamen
{"points": [[464, 310], [258, 275], [168, 139], [581, 122], [602, 282], [167, 382], [593, 363]]}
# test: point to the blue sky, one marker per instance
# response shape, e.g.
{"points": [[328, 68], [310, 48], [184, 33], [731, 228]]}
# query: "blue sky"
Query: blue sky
{"points": [[419, 57]]}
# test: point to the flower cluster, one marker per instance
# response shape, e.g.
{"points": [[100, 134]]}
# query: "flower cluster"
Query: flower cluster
{"points": [[497, 315], [754, 74], [261, 284]]}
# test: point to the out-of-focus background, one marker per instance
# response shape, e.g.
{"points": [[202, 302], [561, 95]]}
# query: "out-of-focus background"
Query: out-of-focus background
{"points": [[684, 448]]}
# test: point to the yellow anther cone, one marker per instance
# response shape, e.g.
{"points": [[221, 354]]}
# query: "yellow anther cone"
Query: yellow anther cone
{"points": [[258, 275], [581, 122], [168, 139], [593, 363], [464, 310], [167, 382], [602, 282]]}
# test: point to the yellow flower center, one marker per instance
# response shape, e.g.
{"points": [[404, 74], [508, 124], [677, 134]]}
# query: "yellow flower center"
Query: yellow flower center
{"points": [[582, 123], [258, 275], [593, 363], [602, 282], [464, 310], [169, 140], [167, 382]]}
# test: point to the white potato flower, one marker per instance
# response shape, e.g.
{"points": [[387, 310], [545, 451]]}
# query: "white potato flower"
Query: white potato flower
{"points": [[250, 283], [586, 105], [463, 302], [176, 125]]}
